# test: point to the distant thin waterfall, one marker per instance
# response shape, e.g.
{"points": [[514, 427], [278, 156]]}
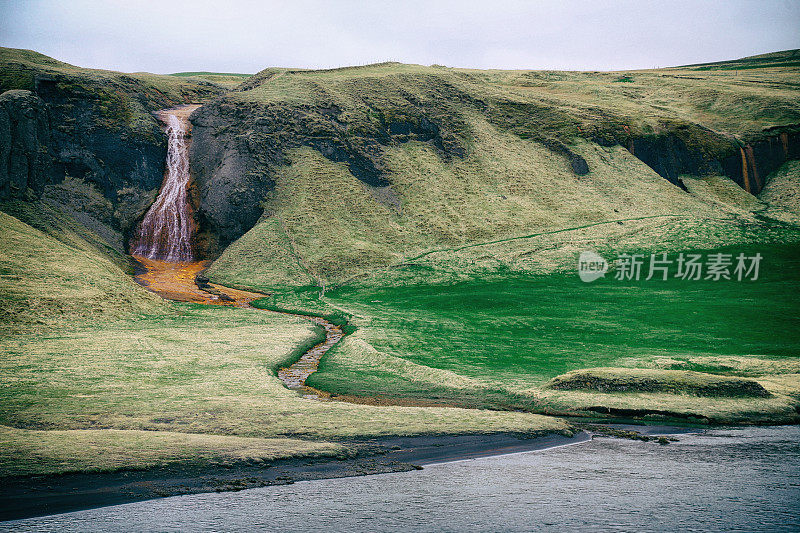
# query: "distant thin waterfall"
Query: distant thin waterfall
{"points": [[745, 173], [166, 230]]}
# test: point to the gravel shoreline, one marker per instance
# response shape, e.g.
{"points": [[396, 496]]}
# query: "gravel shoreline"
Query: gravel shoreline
{"points": [[31, 496]]}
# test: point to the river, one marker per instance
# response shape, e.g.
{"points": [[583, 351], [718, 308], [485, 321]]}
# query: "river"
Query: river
{"points": [[719, 480]]}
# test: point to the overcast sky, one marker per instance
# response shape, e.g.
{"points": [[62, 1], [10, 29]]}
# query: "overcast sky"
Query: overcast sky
{"points": [[246, 36]]}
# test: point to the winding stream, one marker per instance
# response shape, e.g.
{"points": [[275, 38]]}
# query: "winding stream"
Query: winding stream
{"points": [[177, 281], [162, 249], [294, 376]]}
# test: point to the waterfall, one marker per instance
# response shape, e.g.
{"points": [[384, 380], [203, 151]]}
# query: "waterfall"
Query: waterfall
{"points": [[745, 174], [751, 158], [166, 230]]}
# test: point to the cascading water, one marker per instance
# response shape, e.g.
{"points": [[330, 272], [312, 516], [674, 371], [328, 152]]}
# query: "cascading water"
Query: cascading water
{"points": [[165, 232]]}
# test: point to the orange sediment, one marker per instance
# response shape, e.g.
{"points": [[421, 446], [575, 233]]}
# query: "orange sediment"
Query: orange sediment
{"points": [[176, 281], [751, 159]]}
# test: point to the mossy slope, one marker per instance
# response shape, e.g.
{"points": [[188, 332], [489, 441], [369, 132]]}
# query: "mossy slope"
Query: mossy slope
{"points": [[362, 169]]}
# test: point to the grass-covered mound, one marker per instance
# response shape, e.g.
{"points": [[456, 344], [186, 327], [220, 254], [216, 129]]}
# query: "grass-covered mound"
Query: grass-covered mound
{"points": [[37, 452], [647, 380], [57, 278], [786, 59]]}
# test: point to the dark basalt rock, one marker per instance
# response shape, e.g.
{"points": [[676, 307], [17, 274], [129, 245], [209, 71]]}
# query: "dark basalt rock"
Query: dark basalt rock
{"points": [[97, 128], [25, 154], [675, 383], [96, 138], [229, 173], [202, 281], [648, 413], [697, 151], [752, 163]]}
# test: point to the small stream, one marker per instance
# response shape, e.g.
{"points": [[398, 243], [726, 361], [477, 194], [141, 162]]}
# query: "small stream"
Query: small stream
{"points": [[294, 376], [178, 281]]}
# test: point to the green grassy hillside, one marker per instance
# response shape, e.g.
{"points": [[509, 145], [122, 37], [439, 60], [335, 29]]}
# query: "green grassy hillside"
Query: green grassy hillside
{"points": [[569, 104], [224, 79], [19, 69], [783, 59], [53, 276], [498, 165], [503, 339]]}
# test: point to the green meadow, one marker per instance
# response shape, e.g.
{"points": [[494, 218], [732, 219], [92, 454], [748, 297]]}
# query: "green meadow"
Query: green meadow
{"points": [[508, 337], [98, 374]]}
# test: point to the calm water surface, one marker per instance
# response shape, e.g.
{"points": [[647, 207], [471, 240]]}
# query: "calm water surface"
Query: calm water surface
{"points": [[720, 480]]}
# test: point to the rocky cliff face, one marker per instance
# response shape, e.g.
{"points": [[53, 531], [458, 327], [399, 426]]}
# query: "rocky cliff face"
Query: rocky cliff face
{"points": [[750, 165], [697, 151], [229, 173], [93, 127], [25, 156], [106, 134]]}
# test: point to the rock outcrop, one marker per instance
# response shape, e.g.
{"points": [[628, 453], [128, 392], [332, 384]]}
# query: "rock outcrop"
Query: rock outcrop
{"points": [[106, 134], [696, 151], [97, 128], [25, 156]]}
